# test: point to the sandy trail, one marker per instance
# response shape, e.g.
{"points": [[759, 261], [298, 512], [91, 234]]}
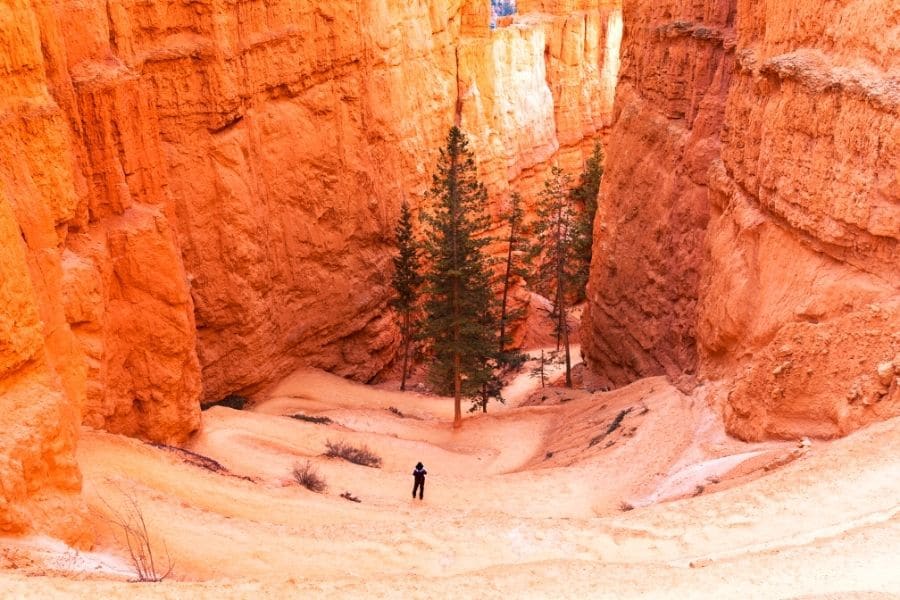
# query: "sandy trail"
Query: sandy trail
{"points": [[528, 379], [521, 502]]}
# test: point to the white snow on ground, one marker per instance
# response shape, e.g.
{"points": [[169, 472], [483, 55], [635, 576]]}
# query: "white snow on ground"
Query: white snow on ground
{"points": [[687, 479]]}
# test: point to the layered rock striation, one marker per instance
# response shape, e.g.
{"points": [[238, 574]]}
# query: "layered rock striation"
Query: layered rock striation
{"points": [[196, 197], [750, 217], [676, 71]]}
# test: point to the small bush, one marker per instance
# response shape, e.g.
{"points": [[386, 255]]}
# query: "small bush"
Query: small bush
{"points": [[625, 506], [193, 458], [357, 455], [136, 533], [612, 427], [617, 421], [307, 476], [397, 412], [230, 401], [311, 419], [350, 497]]}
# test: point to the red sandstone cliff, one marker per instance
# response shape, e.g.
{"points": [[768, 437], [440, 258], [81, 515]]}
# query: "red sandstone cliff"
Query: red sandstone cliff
{"points": [[676, 68], [750, 215], [196, 197]]}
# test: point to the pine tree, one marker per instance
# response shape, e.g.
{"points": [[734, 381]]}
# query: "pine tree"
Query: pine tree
{"points": [[406, 281], [514, 217], [585, 197], [555, 235], [460, 321]]}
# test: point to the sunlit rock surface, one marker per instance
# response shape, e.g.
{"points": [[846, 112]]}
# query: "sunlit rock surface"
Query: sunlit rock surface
{"points": [[750, 218], [196, 197]]}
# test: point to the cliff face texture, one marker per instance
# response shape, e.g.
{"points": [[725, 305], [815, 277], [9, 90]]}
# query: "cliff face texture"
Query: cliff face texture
{"points": [[196, 197], [677, 63], [751, 212], [807, 198]]}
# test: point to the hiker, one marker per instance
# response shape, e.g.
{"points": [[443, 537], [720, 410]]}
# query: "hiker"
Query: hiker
{"points": [[419, 477]]}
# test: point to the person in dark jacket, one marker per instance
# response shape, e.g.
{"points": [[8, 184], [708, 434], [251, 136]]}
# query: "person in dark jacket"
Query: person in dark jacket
{"points": [[419, 478]]}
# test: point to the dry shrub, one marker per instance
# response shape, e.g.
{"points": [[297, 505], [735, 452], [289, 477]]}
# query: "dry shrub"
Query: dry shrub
{"points": [[612, 427], [311, 419], [396, 411], [358, 455], [190, 457], [198, 460], [307, 476], [137, 539]]}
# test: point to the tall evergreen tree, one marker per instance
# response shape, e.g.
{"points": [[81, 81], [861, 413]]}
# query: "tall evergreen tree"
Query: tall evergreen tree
{"points": [[460, 322], [585, 197], [406, 282], [555, 237], [514, 217]]}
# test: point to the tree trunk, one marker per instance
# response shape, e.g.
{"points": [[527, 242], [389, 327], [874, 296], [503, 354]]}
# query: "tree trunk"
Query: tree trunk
{"points": [[563, 326], [564, 332], [542, 368], [457, 392], [509, 254], [406, 340], [455, 291], [568, 358], [558, 334]]}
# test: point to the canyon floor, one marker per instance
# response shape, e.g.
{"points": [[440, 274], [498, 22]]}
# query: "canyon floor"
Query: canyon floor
{"points": [[541, 497]]}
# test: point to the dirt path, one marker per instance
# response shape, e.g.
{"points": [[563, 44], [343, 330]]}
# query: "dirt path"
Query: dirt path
{"points": [[523, 502], [523, 384]]}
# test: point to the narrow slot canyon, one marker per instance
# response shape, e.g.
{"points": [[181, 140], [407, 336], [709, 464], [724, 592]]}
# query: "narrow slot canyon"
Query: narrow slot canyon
{"points": [[199, 214]]}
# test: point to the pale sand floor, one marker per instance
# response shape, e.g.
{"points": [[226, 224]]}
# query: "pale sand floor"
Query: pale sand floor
{"points": [[518, 504]]}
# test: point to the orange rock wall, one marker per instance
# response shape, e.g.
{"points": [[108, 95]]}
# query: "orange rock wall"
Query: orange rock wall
{"points": [[325, 116], [677, 61], [197, 197], [750, 215], [41, 376], [801, 302]]}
